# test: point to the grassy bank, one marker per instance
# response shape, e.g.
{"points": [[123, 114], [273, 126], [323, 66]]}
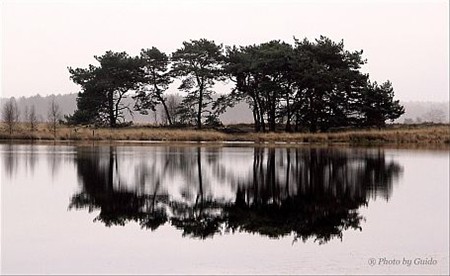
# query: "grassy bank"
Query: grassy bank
{"points": [[432, 134]]}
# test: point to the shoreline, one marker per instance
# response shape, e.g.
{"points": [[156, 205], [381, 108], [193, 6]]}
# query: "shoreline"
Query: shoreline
{"points": [[401, 134], [220, 144]]}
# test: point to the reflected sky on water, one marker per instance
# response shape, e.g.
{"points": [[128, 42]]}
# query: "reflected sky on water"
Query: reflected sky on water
{"points": [[307, 203]]}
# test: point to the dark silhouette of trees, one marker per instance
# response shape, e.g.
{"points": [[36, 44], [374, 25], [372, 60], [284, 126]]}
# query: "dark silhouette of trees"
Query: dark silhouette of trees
{"points": [[263, 77], [310, 85], [329, 84], [101, 190], [310, 193], [172, 104], [313, 193], [155, 82], [199, 220], [199, 65], [105, 86], [378, 104], [316, 85]]}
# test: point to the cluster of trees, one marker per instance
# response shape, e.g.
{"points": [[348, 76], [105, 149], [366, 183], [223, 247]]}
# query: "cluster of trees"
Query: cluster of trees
{"points": [[311, 84], [11, 116]]}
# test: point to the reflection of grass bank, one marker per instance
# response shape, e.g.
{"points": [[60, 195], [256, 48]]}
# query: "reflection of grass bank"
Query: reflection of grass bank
{"points": [[433, 134]]}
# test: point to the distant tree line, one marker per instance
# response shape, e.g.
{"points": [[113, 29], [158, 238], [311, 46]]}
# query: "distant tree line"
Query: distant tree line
{"points": [[10, 115], [314, 85]]}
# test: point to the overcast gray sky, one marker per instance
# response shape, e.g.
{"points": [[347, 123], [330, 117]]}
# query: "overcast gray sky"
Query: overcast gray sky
{"points": [[404, 41]]}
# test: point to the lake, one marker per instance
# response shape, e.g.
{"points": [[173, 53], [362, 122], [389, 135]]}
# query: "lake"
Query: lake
{"points": [[223, 209]]}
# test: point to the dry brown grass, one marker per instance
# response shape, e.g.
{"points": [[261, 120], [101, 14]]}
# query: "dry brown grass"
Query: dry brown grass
{"points": [[400, 135]]}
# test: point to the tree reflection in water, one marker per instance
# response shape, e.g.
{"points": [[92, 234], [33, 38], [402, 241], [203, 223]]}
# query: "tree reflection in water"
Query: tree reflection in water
{"points": [[14, 156], [305, 192]]}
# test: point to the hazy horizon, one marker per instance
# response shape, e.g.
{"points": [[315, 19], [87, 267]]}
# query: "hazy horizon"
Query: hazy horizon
{"points": [[404, 42], [417, 111], [17, 97]]}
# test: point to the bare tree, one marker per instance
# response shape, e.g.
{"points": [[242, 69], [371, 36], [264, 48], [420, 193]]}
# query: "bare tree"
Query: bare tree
{"points": [[31, 117], [25, 114], [10, 114], [172, 105], [163, 116], [54, 116], [155, 117]]}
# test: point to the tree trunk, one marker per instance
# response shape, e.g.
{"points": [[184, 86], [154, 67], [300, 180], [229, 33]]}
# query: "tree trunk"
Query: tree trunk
{"points": [[312, 115], [297, 122], [112, 117], [288, 125], [256, 117], [256, 120], [272, 123], [199, 114], [288, 121], [261, 114], [161, 99], [313, 126], [167, 111], [200, 103]]}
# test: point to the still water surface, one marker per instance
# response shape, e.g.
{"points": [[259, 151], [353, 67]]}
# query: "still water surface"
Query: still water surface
{"points": [[171, 209]]}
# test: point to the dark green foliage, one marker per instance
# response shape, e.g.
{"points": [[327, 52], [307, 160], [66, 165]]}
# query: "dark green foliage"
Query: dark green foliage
{"points": [[263, 77], [91, 108], [329, 84], [104, 87], [312, 84], [315, 85], [213, 120], [155, 82], [378, 104], [198, 63], [186, 111]]}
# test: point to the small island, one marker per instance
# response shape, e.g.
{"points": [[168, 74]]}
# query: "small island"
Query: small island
{"points": [[305, 92]]}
